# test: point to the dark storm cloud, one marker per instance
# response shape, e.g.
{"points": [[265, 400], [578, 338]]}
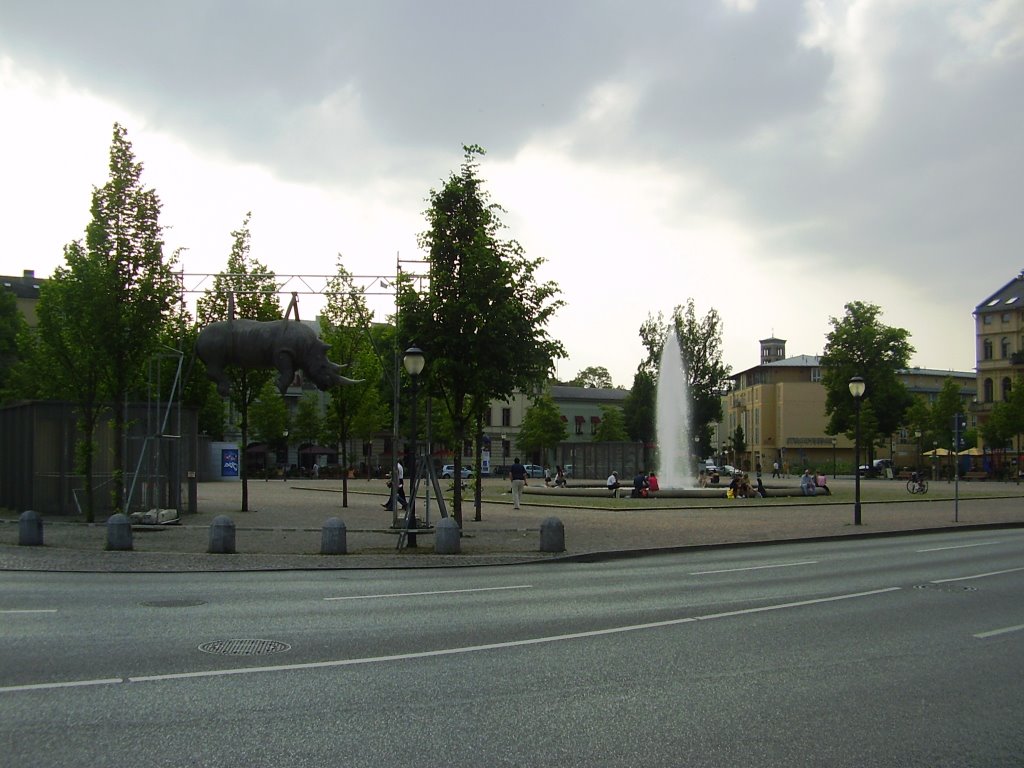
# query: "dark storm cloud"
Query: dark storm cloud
{"points": [[345, 91]]}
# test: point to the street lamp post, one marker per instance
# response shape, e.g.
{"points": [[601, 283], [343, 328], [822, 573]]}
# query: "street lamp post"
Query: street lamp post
{"points": [[857, 390], [414, 362], [833, 458]]}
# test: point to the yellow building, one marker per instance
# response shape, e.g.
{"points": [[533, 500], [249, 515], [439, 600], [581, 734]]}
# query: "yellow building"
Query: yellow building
{"points": [[999, 335], [780, 406]]}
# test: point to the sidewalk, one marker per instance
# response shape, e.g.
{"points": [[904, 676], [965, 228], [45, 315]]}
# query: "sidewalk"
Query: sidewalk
{"points": [[282, 531]]}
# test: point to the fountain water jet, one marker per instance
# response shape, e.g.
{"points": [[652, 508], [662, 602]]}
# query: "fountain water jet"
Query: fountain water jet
{"points": [[672, 419]]}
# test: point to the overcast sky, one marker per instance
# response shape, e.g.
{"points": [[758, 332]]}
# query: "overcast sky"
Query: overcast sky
{"points": [[773, 160]]}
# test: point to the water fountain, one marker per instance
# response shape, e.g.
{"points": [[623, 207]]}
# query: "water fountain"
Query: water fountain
{"points": [[672, 414]]}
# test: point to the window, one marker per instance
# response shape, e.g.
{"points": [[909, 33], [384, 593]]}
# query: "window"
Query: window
{"points": [[506, 417], [987, 349], [1004, 347], [988, 390], [595, 421], [815, 374], [1006, 389], [579, 425], [987, 319], [487, 419]]}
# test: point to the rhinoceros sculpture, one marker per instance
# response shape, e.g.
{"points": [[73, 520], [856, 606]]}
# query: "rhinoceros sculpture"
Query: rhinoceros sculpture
{"points": [[286, 345]]}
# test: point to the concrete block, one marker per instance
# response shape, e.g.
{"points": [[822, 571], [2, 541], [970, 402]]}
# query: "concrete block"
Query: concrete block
{"points": [[333, 537], [30, 529], [222, 536], [552, 535], [119, 532], [447, 537]]}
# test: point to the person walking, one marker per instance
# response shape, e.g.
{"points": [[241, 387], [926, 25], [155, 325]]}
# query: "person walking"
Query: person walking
{"points": [[775, 469], [517, 474]]}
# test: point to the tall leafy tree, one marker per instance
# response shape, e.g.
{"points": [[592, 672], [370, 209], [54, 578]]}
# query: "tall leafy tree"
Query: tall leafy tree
{"points": [[62, 358], [11, 325], [612, 428], [131, 283], [356, 410], [860, 345], [542, 428], [482, 319], [251, 289], [639, 411], [595, 376], [700, 346], [269, 420]]}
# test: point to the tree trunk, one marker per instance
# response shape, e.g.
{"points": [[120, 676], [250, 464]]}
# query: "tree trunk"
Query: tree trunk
{"points": [[478, 440]]}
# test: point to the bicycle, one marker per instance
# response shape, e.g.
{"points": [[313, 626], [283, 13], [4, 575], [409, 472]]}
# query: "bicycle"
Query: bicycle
{"points": [[917, 484]]}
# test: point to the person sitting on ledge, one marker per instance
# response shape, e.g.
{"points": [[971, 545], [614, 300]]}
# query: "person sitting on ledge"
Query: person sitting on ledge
{"points": [[639, 486], [652, 483], [822, 482], [807, 486], [559, 477], [613, 483]]}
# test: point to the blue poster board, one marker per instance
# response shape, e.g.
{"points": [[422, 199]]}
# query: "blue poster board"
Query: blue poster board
{"points": [[229, 462]]}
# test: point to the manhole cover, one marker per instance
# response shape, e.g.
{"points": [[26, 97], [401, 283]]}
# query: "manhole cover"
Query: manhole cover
{"points": [[244, 647], [180, 603], [946, 587]]}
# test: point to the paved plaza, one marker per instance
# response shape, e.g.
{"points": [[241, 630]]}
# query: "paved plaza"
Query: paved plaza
{"points": [[282, 530]]}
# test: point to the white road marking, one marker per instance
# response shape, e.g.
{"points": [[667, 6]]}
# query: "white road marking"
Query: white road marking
{"points": [[29, 610], [438, 592], [71, 684], [454, 651], [1003, 631], [978, 576], [960, 546], [754, 568]]}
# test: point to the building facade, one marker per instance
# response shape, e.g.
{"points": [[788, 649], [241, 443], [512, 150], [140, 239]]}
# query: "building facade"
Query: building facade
{"points": [[999, 338], [780, 407]]}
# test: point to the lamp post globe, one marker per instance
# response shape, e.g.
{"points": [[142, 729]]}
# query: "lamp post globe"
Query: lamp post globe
{"points": [[857, 388]]}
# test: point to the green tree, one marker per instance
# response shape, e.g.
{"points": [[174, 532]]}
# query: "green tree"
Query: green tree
{"points": [[947, 404], [860, 345], [612, 428], [738, 442], [639, 411], [542, 428], [129, 284], [596, 376], [268, 415], [482, 319], [308, 423], [355, 410], [62, 360], [250, 290], [700, 346], [11, 326]]}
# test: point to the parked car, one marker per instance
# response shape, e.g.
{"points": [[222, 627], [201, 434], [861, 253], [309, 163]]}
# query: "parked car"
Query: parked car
{"points": [[534, 470], [878, 467], [448, 472]]}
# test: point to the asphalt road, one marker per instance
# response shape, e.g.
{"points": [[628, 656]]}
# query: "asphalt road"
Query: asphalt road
{"points": [[895, 651]]}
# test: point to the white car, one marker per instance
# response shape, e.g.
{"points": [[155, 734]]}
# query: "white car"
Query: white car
{"points": [[448, 472]]}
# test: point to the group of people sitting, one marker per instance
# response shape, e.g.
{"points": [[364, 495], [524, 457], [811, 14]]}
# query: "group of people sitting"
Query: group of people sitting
{"points": [[644, 483], [809, 484], [740, 487], [558, 481]]}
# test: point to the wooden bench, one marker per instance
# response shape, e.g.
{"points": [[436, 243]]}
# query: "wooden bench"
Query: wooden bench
{"points": [[976, 475]]}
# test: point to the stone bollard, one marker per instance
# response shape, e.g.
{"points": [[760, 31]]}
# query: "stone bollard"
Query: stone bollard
{"points": [[30, 529], [222, 536], [332, 537], [447, 537], [119, 532], [552, 535]]}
